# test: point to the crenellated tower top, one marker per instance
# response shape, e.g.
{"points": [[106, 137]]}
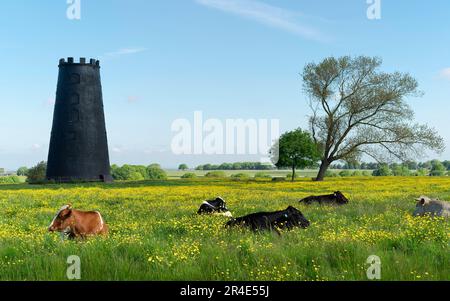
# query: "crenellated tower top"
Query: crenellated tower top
{"points": [[70, 61]]}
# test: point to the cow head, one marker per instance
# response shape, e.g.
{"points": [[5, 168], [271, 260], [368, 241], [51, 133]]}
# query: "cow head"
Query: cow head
{"points": [[422, 201], [232, 222], [340, 197], [297, 217], [221, 205], [62, 220], [421, 204]]}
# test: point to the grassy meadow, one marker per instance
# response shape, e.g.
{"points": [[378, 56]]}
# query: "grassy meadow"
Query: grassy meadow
{"points": [[176, 174], [156, 235]]}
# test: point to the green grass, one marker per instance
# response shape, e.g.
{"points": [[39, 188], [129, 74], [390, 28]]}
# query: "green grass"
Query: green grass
{"points": [[156, 235]]}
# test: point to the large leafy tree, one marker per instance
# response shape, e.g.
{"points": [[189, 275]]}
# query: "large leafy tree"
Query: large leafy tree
{"points": [[295, 149], [357, 109]]}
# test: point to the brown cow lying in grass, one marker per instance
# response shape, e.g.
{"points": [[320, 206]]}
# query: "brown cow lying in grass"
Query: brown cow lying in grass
{"points": [[78, 224]]}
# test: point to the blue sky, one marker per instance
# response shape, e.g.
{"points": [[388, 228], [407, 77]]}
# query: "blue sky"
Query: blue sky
{"points": [[164, 59]]}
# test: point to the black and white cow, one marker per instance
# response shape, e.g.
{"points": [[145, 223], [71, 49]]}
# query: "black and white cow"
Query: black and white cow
{"points": [[284, 219], [426, 205], [216, 206]]}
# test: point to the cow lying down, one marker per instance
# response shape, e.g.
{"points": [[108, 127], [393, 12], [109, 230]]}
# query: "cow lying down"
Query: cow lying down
{"points": [[336, 198], [77, 224], [284, 219], [425, 205], [217, 206]]}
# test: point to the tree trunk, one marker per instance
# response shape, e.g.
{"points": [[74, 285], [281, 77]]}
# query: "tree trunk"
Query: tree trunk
{"points": [[293, 173], [322, 171]]}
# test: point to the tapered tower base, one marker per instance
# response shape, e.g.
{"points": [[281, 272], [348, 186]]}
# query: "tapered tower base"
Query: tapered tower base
{"points": [[78, 145]]}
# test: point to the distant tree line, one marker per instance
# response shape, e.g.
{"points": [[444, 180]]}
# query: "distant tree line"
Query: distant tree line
{"points": [[410, 165], [431, 168], [126, 172], [237, 166], [138, 172]]}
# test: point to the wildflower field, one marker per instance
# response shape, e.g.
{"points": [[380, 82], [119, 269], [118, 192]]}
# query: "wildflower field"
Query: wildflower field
{"points": [[156, 235]]}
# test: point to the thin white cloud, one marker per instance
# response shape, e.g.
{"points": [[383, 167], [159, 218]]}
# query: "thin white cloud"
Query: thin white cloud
{"points": [[123, 51], [445, 73], [118, 149], [266, 14], [36, 147], [133, 99]]}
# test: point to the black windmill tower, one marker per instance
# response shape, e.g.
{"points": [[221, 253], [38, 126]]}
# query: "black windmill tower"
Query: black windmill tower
{"points": [[78, 145]]}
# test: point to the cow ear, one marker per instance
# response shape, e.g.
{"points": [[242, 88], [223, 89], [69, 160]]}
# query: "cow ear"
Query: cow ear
{"points": [[421, 201], [69, 206], [66, 213]]}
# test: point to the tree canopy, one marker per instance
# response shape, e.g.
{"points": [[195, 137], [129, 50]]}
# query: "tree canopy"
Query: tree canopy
{"points": [[137, 172], [22, 171], [183, 167], [295, 149], [37, 173], [357, 110]]}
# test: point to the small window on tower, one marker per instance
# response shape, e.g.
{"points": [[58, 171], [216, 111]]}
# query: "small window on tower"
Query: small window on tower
{"points": [[74, 115], [74, 79], [74, 99]]}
